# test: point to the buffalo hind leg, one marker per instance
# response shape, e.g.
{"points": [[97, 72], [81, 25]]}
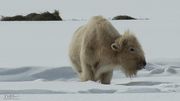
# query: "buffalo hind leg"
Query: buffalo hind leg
{"points": [[87, 72]]}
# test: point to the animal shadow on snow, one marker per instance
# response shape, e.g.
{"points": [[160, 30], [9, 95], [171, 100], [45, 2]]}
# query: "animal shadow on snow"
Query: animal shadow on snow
{"points": [[13, 71], [98, 91], [35, 73], [31, 91], [143, 83], [63, 73]]}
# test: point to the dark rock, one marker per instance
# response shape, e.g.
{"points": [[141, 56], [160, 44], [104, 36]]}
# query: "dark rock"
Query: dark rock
{"points": [[46, 16], [14, 18], [123, 17]]}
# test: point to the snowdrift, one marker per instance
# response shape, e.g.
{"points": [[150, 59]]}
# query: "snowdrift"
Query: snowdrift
{"points": [[155, 78]]}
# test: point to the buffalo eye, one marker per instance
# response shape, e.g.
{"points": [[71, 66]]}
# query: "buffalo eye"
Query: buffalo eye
{"points": [[131, 49]]}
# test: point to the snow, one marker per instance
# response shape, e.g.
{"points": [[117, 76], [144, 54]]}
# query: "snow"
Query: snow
{"points": [[34, 61], [24, 83], [97, 97]]}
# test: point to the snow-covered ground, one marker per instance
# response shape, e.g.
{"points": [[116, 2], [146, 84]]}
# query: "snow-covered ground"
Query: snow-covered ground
{"points": [[34, 62], [159, 81]]}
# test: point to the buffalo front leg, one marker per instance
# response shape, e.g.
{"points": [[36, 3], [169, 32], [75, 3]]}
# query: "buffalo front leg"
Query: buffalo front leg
{"points": [[106, 77]]}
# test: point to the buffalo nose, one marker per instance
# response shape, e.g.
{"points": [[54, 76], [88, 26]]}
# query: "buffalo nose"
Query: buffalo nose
{"points": [[144, 63]]}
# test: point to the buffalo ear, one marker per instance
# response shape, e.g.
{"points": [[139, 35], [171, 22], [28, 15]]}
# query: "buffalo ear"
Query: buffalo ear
{"points": [[114, 47], [118, 46]]}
